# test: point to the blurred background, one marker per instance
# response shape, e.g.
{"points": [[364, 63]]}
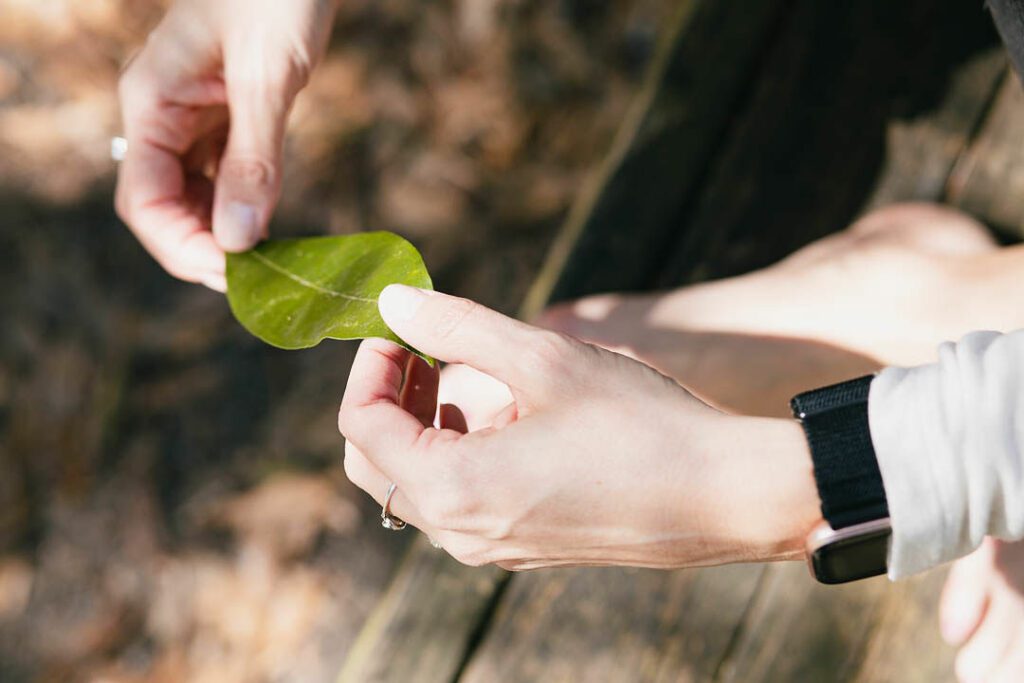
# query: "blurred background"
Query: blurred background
{"points": [[172, 502]]}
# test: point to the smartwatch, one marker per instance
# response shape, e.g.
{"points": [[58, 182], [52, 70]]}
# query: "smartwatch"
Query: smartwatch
{"points": [[853, 541]]}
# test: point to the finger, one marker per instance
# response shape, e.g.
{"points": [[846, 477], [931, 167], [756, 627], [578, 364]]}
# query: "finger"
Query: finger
{"points": [[260, 94], [480, 396], [216, 281], [419, 390], [154, 194], [965, 595], [159, 204], [990, 643], [461, 331], [153, 201], [372, 481], [1011, 669], [507, 416], [371, 416], [204, 156], [450, 417]]}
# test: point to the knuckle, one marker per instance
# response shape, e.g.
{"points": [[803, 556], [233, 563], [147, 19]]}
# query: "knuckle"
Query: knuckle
{"points": [[454, 315], [452, 504], [138, 84], [549, 348], [124, 86], [253, 171], [273, 76], [444, 510], [174, 269], [285, 77], [472, 553], [131, 83], [548, 354], [501, 529], [122, 205], [344, 420], [351, 469], [473, 560], [354, 469], [302, 59], [518, 564]]}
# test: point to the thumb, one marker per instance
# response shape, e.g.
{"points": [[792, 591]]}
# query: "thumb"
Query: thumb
{"points": [[461, 331], [249, 176]]}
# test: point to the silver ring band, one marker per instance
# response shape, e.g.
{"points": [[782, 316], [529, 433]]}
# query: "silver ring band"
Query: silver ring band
{"points": [[387, 520]]}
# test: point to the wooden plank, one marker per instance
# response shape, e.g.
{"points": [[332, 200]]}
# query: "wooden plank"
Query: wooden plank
{"points": [[660, 152], [696, 75], [604, 624], [809, 157], [989, 179], [787, 178], [426, 621], [908, 624], [931, 147], [799, 630]]}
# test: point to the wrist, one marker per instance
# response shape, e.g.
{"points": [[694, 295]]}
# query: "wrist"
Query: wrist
{"points": [[774, 500]]}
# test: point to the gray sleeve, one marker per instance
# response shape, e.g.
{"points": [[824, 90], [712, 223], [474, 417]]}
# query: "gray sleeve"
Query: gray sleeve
{"points": [[950, 444]]}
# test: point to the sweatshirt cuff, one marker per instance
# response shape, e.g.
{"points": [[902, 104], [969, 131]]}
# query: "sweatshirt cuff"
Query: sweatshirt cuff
{"points": [[948, 437], [899, 419]]}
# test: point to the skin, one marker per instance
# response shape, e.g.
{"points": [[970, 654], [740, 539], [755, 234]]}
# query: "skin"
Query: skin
{"points": [[616, 464], [204, 107], [598, 459]]}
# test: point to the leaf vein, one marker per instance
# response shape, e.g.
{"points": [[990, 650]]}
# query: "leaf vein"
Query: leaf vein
{"points": [[306, 283]]}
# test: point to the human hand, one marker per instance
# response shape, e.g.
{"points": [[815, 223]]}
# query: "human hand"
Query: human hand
{"points": [[598, 459], [204, 106], [982, 612]]}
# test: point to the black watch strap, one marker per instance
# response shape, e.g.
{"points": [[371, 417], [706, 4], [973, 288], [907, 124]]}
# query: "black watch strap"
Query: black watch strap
{"points": [[835, 420]]}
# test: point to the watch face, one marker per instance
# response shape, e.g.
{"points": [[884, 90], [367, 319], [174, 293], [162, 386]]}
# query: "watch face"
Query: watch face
{"points": [[852, 557]]}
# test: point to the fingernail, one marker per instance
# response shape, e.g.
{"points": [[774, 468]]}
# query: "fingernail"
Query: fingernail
{"points": [[399, 303], [242, 229]]}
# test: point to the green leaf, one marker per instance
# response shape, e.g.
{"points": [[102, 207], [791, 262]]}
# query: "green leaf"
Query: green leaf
{"points": [[295, 293]]}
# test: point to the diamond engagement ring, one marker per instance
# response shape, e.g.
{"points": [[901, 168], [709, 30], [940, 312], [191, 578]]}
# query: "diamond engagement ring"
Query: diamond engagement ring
{"points": [[387, 520]]}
